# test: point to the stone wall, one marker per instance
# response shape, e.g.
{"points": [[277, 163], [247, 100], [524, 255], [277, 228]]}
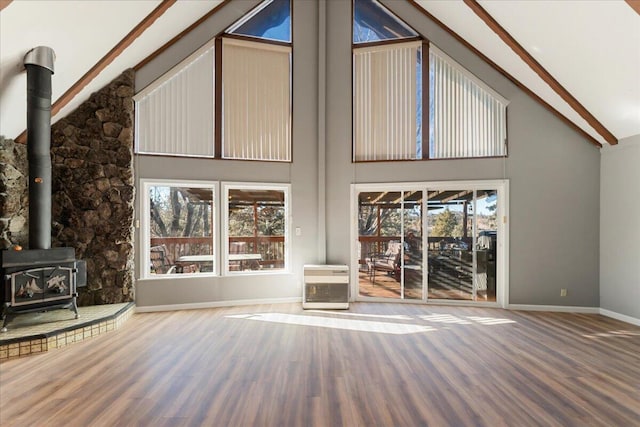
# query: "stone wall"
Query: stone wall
{"points": [[93, 190], [14, 194]]}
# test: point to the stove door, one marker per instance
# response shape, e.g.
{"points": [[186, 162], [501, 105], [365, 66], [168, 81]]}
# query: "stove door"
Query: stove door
{"points": [[41, 285]]}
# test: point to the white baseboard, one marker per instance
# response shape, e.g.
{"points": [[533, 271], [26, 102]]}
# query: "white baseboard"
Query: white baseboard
{"points": [[618, 316], [214, 304], [558, 308]]}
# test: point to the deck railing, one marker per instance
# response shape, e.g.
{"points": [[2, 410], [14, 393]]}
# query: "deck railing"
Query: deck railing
{"points": [[370, 245], [271, 248]]}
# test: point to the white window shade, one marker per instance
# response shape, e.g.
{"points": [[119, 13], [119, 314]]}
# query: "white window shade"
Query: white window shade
{"points": [[385, 107], [256, 101], [468, 118], [175, 116]]}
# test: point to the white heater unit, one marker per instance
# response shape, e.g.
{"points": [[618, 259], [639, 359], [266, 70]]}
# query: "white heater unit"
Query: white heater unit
{"points": [[325, 286]]}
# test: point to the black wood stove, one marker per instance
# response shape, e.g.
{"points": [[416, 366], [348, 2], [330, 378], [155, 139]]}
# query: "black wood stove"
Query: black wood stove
{"points": [[41, 277]]}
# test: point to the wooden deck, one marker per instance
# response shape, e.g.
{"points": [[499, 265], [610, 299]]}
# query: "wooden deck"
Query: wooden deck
{"points": [[373, 365], [387, 286]]}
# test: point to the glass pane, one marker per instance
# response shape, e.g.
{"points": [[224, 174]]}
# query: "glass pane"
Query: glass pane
{"points": [[380, 243], [374, 22], [450, 231], [181, 229], [486, 244], [271, 22], [256, 230], [412, 260]]}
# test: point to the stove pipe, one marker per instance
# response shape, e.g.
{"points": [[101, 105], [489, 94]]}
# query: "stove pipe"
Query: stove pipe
{"points": [[39, 64]]}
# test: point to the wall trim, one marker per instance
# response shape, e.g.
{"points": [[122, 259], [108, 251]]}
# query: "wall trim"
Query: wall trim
{"points": [[621, 317], [557, 308], [215, 304]]}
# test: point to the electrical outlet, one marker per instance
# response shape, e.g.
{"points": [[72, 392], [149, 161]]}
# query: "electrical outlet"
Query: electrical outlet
{"points": [[563, 292]]}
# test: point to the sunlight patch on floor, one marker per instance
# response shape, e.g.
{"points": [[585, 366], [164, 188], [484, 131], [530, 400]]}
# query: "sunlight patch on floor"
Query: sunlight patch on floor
{"points": [[465, 320], [381, 316], [613, 334], [490, 320], [445, 318], [336, 323]]}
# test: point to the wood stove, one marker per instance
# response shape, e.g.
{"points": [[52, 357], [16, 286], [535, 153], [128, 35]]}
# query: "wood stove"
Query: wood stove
{"points": [[41, 277], [38, 280]]}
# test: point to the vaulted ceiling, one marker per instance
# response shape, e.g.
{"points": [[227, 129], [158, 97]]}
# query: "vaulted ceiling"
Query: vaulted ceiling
{"points": [[581, 58]]}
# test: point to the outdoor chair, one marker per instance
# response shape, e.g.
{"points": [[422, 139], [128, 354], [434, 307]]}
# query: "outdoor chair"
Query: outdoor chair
{"points": [[161, 262], [388, 262]]}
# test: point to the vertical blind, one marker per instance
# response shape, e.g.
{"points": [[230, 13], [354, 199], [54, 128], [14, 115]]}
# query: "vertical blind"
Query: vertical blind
{"points": [[256, 100], [175, 117], [385, 110], [468, 117]]}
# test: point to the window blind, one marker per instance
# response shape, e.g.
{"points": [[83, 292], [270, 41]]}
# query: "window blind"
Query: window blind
{"points": [[468, 118], [385, 109], [256, 100], [176, 115]]}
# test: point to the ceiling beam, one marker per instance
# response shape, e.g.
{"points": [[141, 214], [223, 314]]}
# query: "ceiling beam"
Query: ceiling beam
{"points": [[4, 3], [635, 5], [106, 60], [508, 76], [540, 70]]}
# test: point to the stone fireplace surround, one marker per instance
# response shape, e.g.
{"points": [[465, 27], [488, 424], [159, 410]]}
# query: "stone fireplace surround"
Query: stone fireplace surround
{"points": [[93, 191]]}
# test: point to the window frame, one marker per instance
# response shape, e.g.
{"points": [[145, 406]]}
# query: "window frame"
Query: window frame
{"points": [[219, 87], [481, 85], [424, 66], [165, 78], [145, 185], [217, 94], [224, 241], [427, 46]]}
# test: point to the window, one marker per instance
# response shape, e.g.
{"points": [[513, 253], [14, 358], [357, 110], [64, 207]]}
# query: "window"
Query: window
{"points": [[257, 101], [178, 228], [372, 22], [468, 118], [256, 85], [229, 100], [175, 115], [464, 117], [271, 20], [387, 102], [256, 228], [387, 89]]}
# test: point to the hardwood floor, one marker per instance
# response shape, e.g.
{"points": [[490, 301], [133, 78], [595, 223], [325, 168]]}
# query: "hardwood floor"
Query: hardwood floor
{"points": [[373, 365]]}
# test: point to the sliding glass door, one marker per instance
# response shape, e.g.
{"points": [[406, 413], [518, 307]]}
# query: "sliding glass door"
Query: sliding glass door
{"points": [[431, 241], [390, 244], [462, 233]]}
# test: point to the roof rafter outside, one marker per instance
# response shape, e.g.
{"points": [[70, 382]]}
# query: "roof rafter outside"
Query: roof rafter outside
{"points": [[540, 70]]}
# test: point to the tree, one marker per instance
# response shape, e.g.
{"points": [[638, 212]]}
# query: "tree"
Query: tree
{"points": [[175, 213], [444, 224]]}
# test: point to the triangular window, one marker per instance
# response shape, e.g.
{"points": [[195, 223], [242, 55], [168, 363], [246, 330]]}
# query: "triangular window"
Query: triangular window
{"points": [[373, 23], [271, 20]]}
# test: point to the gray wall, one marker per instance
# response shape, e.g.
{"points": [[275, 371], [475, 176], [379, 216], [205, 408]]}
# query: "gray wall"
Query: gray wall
{"points": [[553, 172], [302, 173], [619, 230]]}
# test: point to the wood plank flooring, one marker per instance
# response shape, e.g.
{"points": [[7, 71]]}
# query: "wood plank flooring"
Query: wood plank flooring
{"points": [[373, 365]]}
